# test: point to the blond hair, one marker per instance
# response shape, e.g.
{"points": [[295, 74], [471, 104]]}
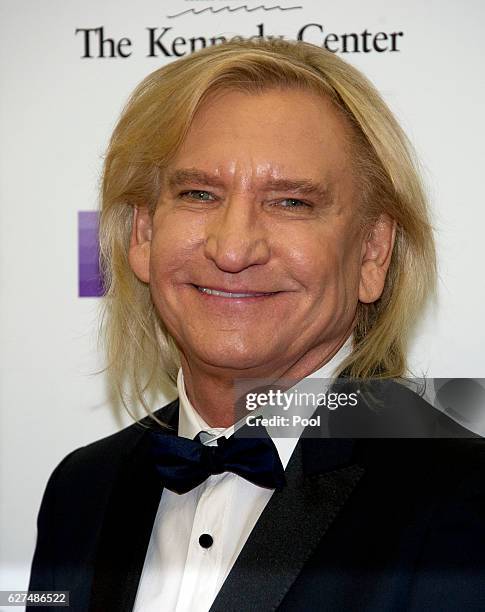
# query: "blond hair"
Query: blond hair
{"points": [[154, 123]]}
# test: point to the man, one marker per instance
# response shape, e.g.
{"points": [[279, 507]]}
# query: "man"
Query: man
{"points": [[261, 219]]}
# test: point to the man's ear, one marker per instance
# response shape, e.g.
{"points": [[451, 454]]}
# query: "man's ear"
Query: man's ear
{"points": [[140, 243], [376, 257]]}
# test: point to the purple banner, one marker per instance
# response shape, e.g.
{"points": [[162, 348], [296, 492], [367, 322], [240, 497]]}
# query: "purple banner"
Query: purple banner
{"points": [[90, 282]]}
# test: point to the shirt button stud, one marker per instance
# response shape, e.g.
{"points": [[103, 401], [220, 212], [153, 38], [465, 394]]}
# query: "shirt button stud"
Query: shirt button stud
{"points": [[206, 540]]}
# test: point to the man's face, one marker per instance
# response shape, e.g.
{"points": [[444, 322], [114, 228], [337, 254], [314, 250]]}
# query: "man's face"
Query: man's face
{"points": [[255, 250]]}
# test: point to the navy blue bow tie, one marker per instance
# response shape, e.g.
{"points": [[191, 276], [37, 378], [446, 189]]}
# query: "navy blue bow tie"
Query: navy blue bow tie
{"points": [[184, 464]]}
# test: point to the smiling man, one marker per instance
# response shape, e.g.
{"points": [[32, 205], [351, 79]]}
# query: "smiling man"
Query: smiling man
{"points": [[246, 237], [261, 219]]}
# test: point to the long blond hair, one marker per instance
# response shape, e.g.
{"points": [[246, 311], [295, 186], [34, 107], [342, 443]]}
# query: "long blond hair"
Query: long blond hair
{"points": [[141, 355]]}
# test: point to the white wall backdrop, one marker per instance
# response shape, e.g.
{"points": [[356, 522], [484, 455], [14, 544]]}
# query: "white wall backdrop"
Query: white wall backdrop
{"points": [[57, 109]]}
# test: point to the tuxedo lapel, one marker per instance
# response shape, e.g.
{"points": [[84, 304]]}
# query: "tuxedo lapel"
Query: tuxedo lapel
{"points": [[320, 478], [128, 524]]}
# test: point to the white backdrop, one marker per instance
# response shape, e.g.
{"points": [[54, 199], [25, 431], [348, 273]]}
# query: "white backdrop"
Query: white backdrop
{"points": [[57, 109]]}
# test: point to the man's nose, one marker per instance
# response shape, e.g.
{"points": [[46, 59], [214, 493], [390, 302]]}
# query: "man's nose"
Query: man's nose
{"points": [[236, 238]]}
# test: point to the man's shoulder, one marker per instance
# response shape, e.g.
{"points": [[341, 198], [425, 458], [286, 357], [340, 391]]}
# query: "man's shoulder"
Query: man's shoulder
{"points": [[389, 408], [100, 460]]}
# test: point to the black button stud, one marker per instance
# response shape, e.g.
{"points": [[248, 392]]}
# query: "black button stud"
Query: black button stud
{"points": [[206, 540]]}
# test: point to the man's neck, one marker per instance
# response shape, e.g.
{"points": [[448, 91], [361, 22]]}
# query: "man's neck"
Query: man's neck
{"points": [[212, 393]]}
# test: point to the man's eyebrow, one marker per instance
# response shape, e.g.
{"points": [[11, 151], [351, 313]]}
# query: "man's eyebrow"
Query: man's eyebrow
{"points": [[192, 175], [299, 186]]}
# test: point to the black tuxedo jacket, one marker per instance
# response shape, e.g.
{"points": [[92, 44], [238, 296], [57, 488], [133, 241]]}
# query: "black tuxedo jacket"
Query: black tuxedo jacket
{"points": [[367, 525]]}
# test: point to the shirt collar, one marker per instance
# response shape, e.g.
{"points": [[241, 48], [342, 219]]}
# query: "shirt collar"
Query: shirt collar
{"points": [[191, 423]]}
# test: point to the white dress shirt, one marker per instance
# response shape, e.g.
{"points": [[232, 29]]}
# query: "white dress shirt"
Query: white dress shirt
{"points": [[179, 574]]}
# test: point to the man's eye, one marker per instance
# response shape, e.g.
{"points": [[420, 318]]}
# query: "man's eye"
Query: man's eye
{"points": [[197, 195], [293, 203]]}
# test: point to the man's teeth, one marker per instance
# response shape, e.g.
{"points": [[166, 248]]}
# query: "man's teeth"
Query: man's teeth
{"points": [[227, 293]]}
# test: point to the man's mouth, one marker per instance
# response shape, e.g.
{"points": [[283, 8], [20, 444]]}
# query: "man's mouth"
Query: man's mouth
{"points": [[232, 294]]}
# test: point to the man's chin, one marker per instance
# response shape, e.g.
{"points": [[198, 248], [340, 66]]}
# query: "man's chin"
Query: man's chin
{"points": [[234, 361]]}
